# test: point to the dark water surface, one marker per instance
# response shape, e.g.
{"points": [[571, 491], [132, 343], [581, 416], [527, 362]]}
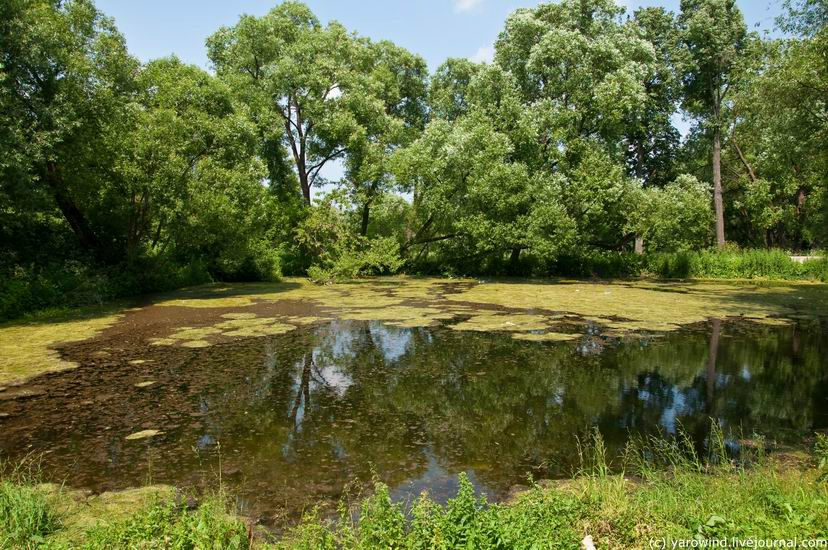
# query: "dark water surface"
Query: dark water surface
{"points": [[293, 420]]}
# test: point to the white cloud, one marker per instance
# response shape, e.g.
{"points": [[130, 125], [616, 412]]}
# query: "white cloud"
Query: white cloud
{"points": [[484, 54], [465, 5]]}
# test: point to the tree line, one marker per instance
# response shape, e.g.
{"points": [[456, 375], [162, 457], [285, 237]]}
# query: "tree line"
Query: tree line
{"points": [[149, 175]]}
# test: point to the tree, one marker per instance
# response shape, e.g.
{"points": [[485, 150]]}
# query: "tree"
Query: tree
{"points": [[474, 201], [714, 36], [65, 75], [388, 107], [449, 87], [675, 217], [291, 72], [184, 182], [582, 76], [652, 140]]}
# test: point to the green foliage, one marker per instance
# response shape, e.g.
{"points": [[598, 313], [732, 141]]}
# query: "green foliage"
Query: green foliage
{"points": [[598, 264], [736, 264], [676, 217], [538, 518], [171, 525], [337, 253], [821, 452], [119, 177], [77, 284]]}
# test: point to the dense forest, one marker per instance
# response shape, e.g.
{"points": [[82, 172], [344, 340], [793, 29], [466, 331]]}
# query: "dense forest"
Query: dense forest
{"points": [[561, 156]]}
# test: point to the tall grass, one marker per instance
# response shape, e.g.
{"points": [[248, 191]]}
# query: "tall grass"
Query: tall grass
{"points": [[168, 524], [736, 264], [27, 515]]}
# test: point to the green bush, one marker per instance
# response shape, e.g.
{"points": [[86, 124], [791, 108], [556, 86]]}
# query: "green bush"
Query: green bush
{"points": [[599, 264], [371, 257], [537, 519]]}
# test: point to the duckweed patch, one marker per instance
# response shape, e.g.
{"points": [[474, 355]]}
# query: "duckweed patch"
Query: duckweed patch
{"points": [[28, 349], [620, 306], [647, 305], [530, 310], [503, 322], [547, 336], [143, 434]]}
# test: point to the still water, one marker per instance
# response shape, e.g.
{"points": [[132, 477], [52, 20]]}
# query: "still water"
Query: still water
{"points": [[297, 419]]}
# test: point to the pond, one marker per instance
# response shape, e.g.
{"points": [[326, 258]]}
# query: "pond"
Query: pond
{"points": [[292, 419]]}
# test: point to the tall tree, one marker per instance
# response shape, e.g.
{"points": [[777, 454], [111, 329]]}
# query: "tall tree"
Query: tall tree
{"points": [[652, 140], [185, 162], [714, 35], [65, 75], [582, 77], [387, 101], [290, 70]]}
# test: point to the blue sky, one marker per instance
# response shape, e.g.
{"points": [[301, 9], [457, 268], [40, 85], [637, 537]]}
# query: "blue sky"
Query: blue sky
{"points": [[435, 29]]}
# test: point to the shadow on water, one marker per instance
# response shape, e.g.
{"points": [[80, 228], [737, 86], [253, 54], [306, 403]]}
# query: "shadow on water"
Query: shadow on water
{"points": [[292, 420]]}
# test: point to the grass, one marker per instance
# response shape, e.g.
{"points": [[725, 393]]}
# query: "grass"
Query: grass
{"points": [[26, 515], [737, 264], [168, 524], [662, 491]]}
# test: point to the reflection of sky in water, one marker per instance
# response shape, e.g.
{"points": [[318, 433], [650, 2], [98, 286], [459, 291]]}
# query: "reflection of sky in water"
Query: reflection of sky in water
{"points": [[205, 441], [332, 377], [393, 342], [440, 483], [668, 416]]}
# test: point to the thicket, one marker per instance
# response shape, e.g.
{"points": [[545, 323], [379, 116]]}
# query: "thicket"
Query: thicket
{"points": [[558, 158]]}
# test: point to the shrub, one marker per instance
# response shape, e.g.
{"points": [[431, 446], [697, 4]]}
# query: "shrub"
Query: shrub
{"points": [[599, 264]]}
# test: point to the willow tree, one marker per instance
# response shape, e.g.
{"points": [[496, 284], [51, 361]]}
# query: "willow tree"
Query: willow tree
{"points": [[386, 105], [65, 75], [715, 37], [290, 70], [581, 73]]}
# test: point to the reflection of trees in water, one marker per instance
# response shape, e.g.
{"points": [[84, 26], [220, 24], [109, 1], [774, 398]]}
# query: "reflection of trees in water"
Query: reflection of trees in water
{"points": [[487, 402], [302, 413]]}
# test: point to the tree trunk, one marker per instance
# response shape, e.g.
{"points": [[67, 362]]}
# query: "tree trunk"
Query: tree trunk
{"points": [[366, 208], [717, 187], [639, 244], [77, 221], [366, 212], [304, 183], [514, 261]]}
